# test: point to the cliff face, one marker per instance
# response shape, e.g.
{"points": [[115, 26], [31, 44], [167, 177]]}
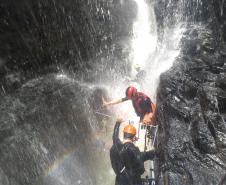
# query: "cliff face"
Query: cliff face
{"points": [[47, 134], [191, 99], [48, 131], [40, 37]]}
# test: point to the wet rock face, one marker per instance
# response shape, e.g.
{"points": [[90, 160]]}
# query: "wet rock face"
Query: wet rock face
{"points": [[46, 131], [171, 12], [47, 124], [38, 37], [192, 113], [191, 95]]}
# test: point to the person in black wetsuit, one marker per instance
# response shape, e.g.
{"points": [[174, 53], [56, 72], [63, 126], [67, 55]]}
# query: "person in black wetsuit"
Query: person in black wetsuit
{"points": [[126, 159], [140, 76]]}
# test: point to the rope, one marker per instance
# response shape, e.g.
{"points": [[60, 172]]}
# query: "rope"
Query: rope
{"points": [[102, 114], [156, 130], [145, 139]]}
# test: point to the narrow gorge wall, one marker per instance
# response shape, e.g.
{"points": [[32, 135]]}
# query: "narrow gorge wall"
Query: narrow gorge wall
{"points": [[192, 96], [48, 130]]}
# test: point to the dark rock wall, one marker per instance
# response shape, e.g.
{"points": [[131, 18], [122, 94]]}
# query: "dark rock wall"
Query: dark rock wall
{"points": [[42, 118], [169, 13], [38, 37], [44, 128], [191, 97], [48, 132]]}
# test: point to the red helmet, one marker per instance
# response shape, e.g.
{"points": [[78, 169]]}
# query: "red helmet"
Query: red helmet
{"points": [[130, 91], [130, 129]]}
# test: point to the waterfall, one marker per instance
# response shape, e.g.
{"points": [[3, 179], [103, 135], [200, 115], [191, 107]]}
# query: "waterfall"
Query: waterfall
{"points": [[153, 56], [59, 58], [144, 40]]}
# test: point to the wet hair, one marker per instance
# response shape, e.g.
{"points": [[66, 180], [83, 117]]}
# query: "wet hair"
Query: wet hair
{"points": [[128, 136]]}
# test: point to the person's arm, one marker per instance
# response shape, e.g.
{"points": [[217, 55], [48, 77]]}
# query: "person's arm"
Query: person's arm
{"points": [[115, 137], [113, 102], [148, 155]]}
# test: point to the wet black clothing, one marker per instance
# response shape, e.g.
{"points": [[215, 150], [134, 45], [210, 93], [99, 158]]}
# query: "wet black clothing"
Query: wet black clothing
{"points": [[140, 76], [127, 161], [142, 104]]}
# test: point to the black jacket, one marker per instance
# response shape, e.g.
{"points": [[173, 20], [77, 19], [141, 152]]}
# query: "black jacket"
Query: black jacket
{"points": [[127, 161]]}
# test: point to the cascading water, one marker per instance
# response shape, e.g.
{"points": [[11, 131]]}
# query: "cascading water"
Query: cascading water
{"points": [[48, 130], [153, 57], [144, 40]]}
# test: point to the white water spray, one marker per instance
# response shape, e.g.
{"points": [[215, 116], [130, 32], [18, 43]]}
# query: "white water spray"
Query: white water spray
{"points": [[144, 34], [163, 58], [155, 58]]}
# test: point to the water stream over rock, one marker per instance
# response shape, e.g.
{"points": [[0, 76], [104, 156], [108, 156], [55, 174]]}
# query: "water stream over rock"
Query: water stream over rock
{"points": [[57, 58]]}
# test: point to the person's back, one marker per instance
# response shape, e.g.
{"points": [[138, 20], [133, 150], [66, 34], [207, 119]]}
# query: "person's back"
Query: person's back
{"points": [[127, 164], [133, 162], [126, 159], [142, 104]]}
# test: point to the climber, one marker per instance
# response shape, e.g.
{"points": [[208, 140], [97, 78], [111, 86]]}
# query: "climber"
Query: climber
{"points": [[141, 74], [126, 159], [139, 77], [142, 104]]}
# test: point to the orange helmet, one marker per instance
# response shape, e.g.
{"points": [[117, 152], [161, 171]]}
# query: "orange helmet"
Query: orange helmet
{"points": [[130, 129]]}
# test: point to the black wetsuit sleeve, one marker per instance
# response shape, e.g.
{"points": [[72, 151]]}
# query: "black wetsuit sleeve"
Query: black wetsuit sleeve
{"points": [[146, 105], [116, 163], [140, 76], [125, 99], [115, 138], [149, 155]]}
